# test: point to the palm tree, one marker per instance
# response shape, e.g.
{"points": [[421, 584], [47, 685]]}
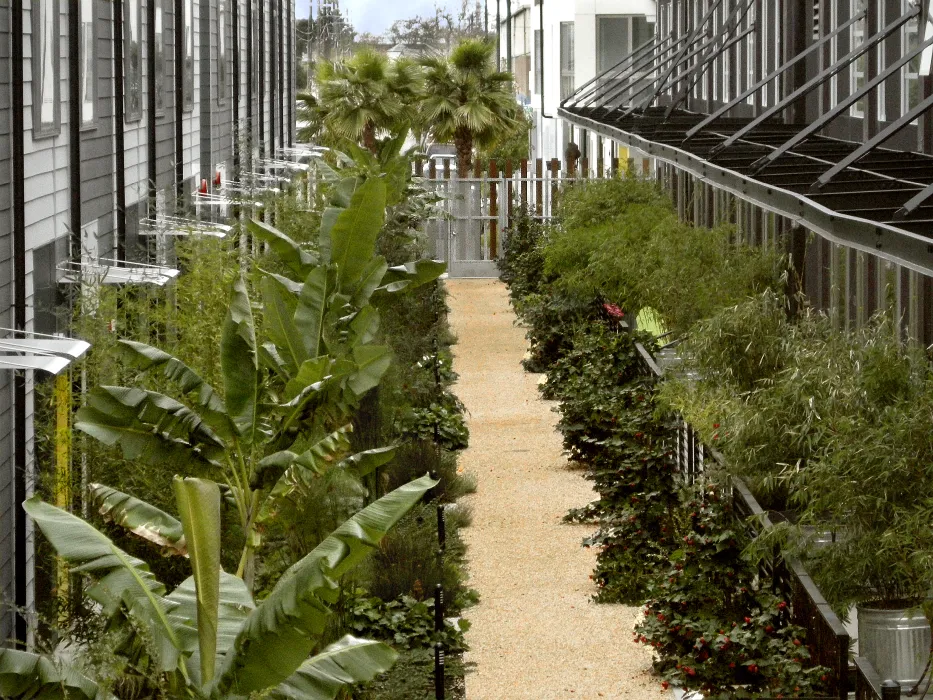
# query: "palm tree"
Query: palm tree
{"points": [[366, 94], [468, 101]]}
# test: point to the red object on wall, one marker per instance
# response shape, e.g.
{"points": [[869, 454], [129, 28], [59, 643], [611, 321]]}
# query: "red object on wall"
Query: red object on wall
{"points": [[203, 188], [217, 179]]}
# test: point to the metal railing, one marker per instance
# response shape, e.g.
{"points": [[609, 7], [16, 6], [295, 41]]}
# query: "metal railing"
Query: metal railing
{"points": [[827, 639]]}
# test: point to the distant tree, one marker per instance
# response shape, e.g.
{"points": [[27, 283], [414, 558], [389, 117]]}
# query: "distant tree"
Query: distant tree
{"points": [[443, 29], [469, 101]]}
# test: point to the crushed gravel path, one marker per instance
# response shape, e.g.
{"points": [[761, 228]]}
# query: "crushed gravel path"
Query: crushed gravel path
{"points": [[535, 634]]}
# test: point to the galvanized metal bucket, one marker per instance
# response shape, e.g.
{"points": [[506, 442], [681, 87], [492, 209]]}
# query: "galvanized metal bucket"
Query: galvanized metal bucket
{"points": [[897, 642]]}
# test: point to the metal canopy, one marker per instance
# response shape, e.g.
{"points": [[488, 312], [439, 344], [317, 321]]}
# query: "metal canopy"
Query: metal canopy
{"points": [[38, 351], [108, 271], [862, 195]]}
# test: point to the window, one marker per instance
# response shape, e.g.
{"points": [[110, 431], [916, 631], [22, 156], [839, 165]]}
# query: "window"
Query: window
{"points": [[751, 53], [88, 62], [221, 51], [566, 60], [882, 88], [778, 57], [257, 42], [617, 37], [46, 68], [727, 65], [188, 88], [132, 61], [159, 50], [539, 62], [910, 74], [833, 54], [858, 68]]}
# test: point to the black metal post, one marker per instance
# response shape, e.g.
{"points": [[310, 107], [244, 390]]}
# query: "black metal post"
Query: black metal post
{"points": [[439, 671], [890, 690], [441, 528], [439, 608]]}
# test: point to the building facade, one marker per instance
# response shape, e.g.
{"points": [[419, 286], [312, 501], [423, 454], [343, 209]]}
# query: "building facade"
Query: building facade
{"points": [[114, 112], [555, 46], [806, 124]]}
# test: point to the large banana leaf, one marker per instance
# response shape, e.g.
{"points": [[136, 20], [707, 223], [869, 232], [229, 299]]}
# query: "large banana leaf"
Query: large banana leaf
{"points": [[27, 675], [288, 251], [199, 505], [140, 518], [211, 405], [312, 310], [372, 362], [149, 427], [343, 663], [317, 459], [411, 275], [279, 312], [354, 233], [240, 362], [120, 577], [370, 280], [235, 605], [279, 635]]}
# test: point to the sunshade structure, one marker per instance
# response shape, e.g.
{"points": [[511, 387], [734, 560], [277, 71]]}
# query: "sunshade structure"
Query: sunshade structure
{"points": [[860, 194], [36, 351], [107, 271]]}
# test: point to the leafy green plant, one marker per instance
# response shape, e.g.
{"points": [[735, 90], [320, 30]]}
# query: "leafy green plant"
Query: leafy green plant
{"points": [[711, 620], [208, 637]]}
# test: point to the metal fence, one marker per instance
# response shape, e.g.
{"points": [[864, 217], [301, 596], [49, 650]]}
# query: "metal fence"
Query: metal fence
{"points": [[827, 639], [476, 209]]}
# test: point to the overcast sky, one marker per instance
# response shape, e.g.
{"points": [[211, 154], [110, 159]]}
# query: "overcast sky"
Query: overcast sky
{"points": [[375, 16]]}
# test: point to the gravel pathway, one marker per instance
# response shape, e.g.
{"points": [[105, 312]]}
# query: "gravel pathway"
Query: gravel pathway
{"points": [[535, 634]]}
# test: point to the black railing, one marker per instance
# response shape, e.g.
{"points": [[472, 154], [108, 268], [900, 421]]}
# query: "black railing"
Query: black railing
{"points": [[827, 638]]}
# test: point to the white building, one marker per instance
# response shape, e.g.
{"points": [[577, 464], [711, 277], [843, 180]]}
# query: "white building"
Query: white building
{"points": [[580, 40]]}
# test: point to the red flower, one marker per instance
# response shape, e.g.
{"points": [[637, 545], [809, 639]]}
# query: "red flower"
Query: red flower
{"points": [[796, 642], [665, 685], [614, 311], [753, 668]]}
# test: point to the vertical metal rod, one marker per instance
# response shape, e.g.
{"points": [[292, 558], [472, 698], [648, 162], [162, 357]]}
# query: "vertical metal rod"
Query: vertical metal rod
{"points": [[439, 671], [439, 608], [441, 528]]}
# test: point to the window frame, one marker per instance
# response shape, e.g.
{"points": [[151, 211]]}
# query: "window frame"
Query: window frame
{"points": [[132, 115], [88, 79], [37, 9]]}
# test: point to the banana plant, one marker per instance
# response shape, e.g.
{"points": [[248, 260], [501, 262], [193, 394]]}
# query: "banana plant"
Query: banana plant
{"points": [[253, 434], [209, 638]]}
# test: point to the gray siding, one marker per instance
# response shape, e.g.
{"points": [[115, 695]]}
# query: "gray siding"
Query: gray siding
{"points": [[6, 321], [97, 142], [47, 182]]}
